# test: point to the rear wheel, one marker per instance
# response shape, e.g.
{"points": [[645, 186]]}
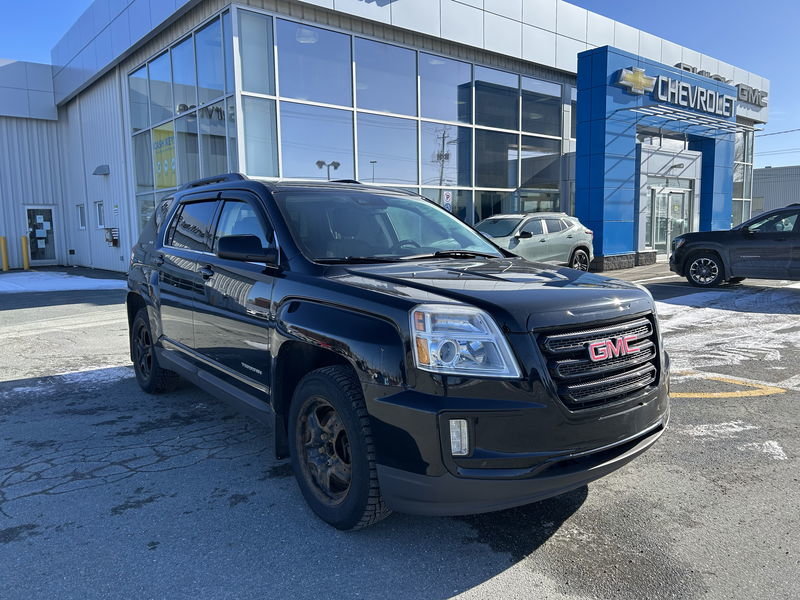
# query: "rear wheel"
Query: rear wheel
{"points": [[579, 260], [705, 269], [333, 453], [152, 378]]}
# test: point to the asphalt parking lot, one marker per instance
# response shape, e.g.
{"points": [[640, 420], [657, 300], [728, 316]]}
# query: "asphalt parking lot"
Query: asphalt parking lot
{"points": [[108, 492]]}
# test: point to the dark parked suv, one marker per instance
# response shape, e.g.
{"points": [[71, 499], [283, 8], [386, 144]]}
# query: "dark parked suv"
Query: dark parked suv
{"points": [[765, 247], [405, 362]]}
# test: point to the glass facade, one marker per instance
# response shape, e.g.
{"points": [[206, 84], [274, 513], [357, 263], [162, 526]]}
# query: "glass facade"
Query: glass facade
{"points": [[318, 104], [742, 177]]}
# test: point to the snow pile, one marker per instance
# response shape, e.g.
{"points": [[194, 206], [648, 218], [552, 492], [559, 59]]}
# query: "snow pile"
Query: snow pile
{"points": [[50, 281]]}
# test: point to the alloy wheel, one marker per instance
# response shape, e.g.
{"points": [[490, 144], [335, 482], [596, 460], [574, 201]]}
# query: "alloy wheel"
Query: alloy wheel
{"points": [[143, 351], [580, 261], [704, 271], [326, 460]]}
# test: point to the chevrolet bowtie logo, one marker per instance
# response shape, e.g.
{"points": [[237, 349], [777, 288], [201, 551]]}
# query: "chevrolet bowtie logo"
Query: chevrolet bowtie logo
{"points": [[636, 80]]}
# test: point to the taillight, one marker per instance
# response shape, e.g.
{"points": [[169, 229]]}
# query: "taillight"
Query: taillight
{"points": [[588, 232]]}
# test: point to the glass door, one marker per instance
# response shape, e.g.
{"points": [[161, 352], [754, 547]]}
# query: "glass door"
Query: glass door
{"points": [[671, 216], [41, 237]]}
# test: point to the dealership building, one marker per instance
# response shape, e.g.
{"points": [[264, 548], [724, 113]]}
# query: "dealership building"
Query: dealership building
{"points": [[484, 106]]}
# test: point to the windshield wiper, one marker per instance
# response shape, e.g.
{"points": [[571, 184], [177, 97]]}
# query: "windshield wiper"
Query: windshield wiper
{"points": [[451, 254], [355, 260]]}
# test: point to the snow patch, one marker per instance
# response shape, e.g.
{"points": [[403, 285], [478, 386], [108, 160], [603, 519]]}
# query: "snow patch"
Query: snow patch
{"points": [[34, 281], [770, 448], [717, 430]]}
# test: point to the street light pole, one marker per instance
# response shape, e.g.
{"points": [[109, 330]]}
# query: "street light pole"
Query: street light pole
{"points": [[373, 163], [321, 163]]}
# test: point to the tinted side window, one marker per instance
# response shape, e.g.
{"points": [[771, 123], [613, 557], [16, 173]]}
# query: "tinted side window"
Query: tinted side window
{"points": [[190, 226], [777, 223], [240, 218], [554, 225], [534, 226]]}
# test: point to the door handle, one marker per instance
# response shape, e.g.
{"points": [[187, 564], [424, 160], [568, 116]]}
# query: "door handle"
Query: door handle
{"points": [[159, 260], [569, 236], [543, 240], [206, 272]]}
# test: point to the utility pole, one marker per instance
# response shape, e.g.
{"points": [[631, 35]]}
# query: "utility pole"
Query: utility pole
{"points": [[373, 163]]}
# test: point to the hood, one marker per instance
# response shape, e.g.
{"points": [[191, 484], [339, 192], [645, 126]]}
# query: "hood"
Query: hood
{"points": [[710, 236], [520, 295]]}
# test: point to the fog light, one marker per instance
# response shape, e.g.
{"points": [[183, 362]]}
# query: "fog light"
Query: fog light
{"points": [[459, 437]]}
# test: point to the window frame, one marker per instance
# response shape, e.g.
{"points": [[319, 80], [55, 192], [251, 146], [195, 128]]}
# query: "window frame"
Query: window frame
{"points": [[251, 201], [81, 209], [100, 213], [172, 225], [533, 220]]}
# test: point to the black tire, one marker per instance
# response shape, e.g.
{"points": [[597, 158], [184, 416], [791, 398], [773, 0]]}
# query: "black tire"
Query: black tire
{"points": [[705, 269], [332, 448], [735, 280], [579, 260], [152, 378]]}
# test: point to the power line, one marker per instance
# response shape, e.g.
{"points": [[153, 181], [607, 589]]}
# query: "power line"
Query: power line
{"points": [[778, 132], [781, 151]]}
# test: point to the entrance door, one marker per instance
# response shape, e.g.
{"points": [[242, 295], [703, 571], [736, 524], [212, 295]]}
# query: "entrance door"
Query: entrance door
{"points": [[41, 238], [671, 217]]}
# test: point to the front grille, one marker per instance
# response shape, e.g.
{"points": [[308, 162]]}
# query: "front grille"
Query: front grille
{"points": [[584, 383]]}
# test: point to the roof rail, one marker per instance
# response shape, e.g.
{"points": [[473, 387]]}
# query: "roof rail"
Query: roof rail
{"points": [[345, 181], [214, 179]]}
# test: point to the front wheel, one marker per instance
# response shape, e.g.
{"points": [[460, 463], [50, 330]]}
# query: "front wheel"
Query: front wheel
{"points": [[333, 452], [705, 270], [579, 260]]}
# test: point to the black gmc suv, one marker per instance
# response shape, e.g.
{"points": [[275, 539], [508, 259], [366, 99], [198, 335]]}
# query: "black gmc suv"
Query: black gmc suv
{"points": [[765, 247], [405, 362]]}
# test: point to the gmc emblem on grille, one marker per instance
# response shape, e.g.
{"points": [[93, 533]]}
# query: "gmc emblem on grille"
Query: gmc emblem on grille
{"points": [[605, 349]]}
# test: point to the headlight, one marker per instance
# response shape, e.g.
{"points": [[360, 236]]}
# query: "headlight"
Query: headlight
{"points": [[677, 243], [460, 340]]}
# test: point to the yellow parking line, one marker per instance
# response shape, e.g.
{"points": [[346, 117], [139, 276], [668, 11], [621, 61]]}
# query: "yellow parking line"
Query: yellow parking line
{"points": [[757, 389]]}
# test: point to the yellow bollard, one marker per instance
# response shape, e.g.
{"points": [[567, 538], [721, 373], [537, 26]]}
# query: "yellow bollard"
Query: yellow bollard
{"points": [[26, 261], [3, 253]]}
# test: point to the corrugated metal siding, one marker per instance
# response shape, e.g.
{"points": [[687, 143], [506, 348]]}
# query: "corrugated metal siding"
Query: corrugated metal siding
{"points": [[777, 186], [30, 174]]}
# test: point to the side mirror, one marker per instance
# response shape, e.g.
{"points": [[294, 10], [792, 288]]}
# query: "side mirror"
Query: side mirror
{"points": [[524, 235], [246, 248], [747, 231]]}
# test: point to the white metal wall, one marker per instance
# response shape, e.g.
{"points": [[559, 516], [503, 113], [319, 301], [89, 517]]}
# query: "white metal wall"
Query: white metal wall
{"points": [[30, 174], [775, 187]]}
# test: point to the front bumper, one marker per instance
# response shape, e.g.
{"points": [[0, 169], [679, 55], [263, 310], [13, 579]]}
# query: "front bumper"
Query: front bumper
{"points": [[448, 495]]}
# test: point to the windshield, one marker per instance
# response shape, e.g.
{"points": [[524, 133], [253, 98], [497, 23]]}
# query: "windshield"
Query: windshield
{"points": [[331, 224], [497, 227]]}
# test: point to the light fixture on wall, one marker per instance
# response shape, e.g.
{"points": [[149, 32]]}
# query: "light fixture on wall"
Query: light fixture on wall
{"points": [[676, 166], [101, 170], [305, 35]]}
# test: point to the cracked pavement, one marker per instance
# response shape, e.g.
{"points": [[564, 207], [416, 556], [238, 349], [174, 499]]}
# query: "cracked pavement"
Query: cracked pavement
{"points": [[106, 492]]}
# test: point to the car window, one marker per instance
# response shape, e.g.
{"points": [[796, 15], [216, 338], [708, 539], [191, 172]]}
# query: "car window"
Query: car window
{"points": [[162, 210], [775, 223], [240, 218], [346, 224], [498, 227], [566, 224], [554, 225], [534, 226], [190, 226]]}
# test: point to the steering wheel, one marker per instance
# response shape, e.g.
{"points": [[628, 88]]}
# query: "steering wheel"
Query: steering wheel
{"points": [[402, 243]]}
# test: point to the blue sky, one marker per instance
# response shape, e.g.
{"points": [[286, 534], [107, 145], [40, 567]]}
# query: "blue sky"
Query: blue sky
{"points": [[756, 36]]}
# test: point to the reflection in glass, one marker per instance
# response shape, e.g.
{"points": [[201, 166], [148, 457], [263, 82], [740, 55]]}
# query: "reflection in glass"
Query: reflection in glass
{"points": [[187, 148], [260, 136], [445, 88], [539, 201], [255, 51], [458, 202], [183, 74], [541, 163], [386, 77], [164, 155], [210, 71], [387, 149], [743, 151], [574, 113], [213, 135], [145, 207], [227, 33], [446, 155], [143, 162], [314, 64], [312, 134], [496, 157], [160, 89], [541, 107], [742, 178], [494, 203], [233, 149], [496, 98], [137, 96]]}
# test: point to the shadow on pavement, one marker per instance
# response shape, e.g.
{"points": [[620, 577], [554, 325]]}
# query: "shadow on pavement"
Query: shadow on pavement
{"points": [[23, 300], [93, 464]]}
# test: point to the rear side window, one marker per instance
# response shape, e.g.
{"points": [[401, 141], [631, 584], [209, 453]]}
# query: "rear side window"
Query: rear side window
{"points": [[554, 225], [534, 226], [190, 226], [162, 209], [240, 218]]}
